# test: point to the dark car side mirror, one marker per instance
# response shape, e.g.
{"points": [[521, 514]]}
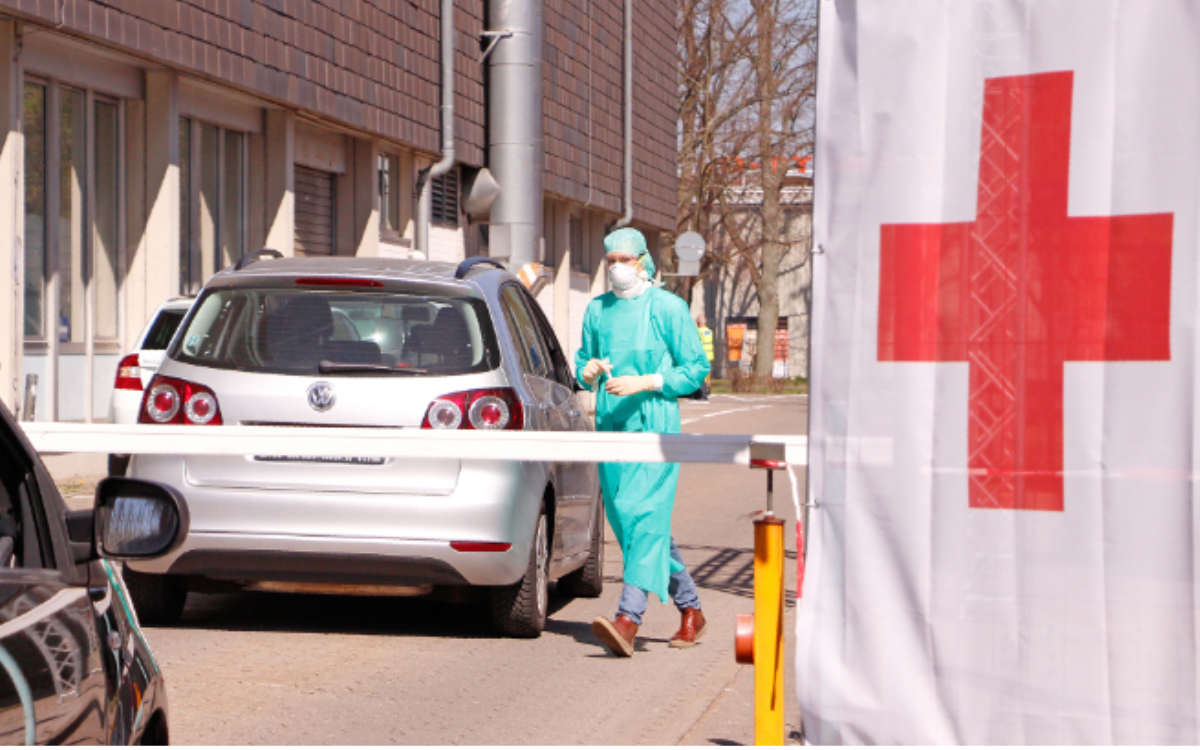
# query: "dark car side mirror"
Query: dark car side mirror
{"points": [[134, 519]]}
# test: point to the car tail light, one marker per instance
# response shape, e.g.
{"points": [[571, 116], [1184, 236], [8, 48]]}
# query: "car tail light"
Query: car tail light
{"points": [[129, 374], [175, 401], [479, 409], [337, 281], [481, 546]]}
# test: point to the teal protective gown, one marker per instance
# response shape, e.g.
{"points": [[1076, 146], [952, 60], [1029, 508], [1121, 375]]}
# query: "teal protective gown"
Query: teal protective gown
{"points": [[651, 333]]}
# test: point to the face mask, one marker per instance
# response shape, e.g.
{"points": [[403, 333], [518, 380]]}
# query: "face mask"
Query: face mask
{"points": [[622, 277]]}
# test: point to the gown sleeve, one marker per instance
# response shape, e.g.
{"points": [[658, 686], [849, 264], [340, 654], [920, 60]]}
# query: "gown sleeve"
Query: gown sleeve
{"points": [[690, 363], [587, 347]]}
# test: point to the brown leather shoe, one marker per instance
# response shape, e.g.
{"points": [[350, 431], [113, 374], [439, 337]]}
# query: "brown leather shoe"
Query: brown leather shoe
{"points": [[617, 635], [691, 626]]}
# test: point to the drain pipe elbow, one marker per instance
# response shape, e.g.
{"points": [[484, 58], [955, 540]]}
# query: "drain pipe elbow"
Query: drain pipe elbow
{"points": [[446, 162]]}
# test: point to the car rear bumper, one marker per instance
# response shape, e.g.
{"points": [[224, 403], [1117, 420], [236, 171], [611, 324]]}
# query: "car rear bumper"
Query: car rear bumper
{"points": [[124, 406], [250, 535]]}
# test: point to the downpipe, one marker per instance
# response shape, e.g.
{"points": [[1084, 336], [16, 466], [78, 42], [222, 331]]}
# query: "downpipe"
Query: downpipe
{"points": [[627, 217], [446, 162]]}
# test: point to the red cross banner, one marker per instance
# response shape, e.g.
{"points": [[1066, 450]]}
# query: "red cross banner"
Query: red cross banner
{"points": [[1003, 536]]}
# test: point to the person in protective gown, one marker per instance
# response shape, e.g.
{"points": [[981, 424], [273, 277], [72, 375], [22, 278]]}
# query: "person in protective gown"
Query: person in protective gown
{"points": [[640, 352]]}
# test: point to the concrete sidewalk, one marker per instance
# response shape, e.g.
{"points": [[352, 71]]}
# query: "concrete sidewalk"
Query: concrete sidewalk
{"points": [[76, 475]]}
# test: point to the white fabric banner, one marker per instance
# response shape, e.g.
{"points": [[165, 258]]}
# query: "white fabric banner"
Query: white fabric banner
{"points": [[1003, 436]]}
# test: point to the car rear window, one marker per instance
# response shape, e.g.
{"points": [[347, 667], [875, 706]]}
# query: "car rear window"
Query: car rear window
{"points": [[162, 329], [338, 332]]}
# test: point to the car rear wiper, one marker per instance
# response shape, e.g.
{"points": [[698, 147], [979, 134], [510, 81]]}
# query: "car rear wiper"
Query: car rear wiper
{"points": [[328, 367]]}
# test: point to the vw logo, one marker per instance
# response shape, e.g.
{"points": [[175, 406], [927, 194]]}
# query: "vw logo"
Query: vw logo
{"points": [[320, 396]]}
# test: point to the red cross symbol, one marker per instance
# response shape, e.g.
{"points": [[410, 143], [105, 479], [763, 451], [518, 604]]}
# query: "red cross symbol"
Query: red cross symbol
{"points": [[1021, 290]]}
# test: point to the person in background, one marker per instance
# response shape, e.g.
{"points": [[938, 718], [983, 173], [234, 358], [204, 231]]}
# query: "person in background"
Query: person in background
{"points": [[706, 340], [641, 351]]}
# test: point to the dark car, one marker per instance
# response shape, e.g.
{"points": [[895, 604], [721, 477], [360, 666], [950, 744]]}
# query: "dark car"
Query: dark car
{"points": [[74, 666]]}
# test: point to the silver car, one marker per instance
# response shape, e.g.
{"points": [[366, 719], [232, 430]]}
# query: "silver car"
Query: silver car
{"points": [[371, 342], [135, 369]]}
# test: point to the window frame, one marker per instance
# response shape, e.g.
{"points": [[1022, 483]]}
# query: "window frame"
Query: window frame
{"points": [[520, 334], [192, 250], [558, 359], [53, 253], [30, 504]]}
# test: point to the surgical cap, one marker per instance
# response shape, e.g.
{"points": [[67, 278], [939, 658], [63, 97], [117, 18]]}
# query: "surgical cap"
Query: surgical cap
{"points": [[632, 242], [625, 240]]}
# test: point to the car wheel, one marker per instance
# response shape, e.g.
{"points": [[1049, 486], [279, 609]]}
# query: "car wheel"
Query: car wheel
{"points": [[157, 599], [520, 609], [117, 464], [588, 581]]}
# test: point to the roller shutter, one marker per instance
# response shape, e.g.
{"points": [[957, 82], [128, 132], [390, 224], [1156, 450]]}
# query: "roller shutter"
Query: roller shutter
{"points": [[315, 220]]}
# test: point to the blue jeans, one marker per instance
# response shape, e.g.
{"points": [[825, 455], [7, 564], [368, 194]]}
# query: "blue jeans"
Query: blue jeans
{"points": [[681, 587]]}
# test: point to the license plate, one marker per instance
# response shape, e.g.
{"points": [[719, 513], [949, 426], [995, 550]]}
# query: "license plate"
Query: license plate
{"points": [[354, 460]]}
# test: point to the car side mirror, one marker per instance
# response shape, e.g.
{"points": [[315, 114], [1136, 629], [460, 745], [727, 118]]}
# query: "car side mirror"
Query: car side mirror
{"points": [[134, 519]]}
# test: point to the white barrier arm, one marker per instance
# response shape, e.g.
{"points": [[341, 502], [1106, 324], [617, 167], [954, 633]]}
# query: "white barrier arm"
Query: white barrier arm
{"points": [[63, 437]]}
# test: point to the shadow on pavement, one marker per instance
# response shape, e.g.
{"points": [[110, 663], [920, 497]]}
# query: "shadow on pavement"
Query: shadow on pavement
{"points": [[730, 570], [356, 615]]}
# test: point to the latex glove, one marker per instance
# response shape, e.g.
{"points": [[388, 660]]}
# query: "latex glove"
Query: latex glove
{"points": [[594, 367], [627, 385]]}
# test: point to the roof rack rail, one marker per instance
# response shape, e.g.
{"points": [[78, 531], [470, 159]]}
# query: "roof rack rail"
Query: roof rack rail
{"points": [[470, 263], [249, 258]]}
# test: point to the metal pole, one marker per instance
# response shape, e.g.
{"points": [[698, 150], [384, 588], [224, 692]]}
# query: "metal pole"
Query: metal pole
{"points": [[515, 130]]}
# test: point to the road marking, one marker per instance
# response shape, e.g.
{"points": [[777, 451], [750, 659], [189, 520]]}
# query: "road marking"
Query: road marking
{"points": [[757, 396], [724, 412]]}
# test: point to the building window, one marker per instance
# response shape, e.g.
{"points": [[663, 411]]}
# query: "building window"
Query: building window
{"points": [[72, 193], [104, 255], [71, 180], [233, 190], [579, 253], [445, 198], [35, 210], [395, 197], [389, 192], [212, 210], [185, 204]]}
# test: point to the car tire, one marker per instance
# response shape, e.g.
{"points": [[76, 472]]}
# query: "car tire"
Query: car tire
{"points": [[520, 609], [117, 464], [588, 580], [157, 599]]}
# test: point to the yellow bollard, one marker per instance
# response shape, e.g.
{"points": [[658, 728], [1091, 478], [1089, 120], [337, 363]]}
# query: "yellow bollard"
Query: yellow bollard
{"points": [[758, 638], [768, 631]]}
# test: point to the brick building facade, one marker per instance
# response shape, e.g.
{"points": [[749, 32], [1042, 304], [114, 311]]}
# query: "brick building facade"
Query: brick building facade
{"points": [[156, 141]]}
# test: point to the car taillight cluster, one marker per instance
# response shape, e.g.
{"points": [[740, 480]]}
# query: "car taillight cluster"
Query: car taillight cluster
{"points": [[478, 409], [175, 401], [129, 374]]}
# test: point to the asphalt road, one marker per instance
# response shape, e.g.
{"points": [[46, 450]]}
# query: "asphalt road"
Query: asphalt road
{"points": [[279, 669]]}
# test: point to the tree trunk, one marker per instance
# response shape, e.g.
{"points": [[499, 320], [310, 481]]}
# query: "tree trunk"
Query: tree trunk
{"points": [[771, 177]]}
